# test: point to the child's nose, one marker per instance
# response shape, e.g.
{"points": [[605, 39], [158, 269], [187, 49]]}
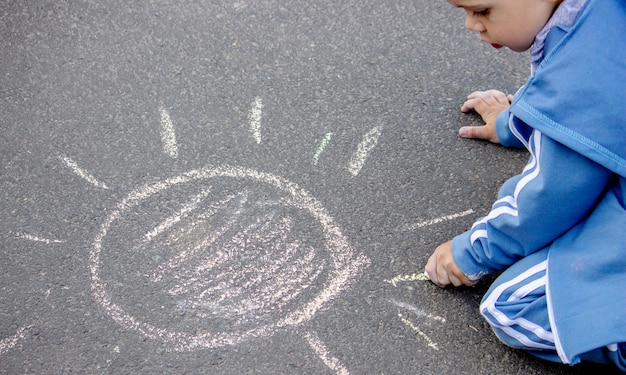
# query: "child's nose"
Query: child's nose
{"points": [[471, 23]]}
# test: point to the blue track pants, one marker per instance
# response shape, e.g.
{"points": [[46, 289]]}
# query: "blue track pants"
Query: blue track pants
{"points": [[516, 308]]}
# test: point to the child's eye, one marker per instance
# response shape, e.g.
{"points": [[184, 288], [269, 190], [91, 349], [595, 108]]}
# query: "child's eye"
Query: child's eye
{"points": [[481, 12]]}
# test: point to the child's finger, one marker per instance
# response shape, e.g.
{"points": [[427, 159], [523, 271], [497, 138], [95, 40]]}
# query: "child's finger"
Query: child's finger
{"points": [[486, 99], [479, 132], [455, 280], [443, 279], [470, 104], [497, 96], [432, 269]]}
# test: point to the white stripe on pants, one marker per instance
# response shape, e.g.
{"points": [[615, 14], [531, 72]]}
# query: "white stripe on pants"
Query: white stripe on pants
{"points": [[516, 308], [515, 305]]}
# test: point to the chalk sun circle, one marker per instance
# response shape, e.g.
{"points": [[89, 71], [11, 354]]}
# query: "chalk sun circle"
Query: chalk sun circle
{"points": [[343, 262]]}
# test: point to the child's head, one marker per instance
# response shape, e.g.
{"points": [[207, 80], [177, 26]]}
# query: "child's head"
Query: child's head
{"points": [[509, 23]]}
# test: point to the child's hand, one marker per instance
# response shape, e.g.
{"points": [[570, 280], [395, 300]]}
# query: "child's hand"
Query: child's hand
{"points": [[488, 104], [442, 269]]}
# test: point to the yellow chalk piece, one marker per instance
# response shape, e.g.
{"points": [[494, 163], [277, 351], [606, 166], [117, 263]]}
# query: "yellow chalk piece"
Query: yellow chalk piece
{"points": [[413, 277]]}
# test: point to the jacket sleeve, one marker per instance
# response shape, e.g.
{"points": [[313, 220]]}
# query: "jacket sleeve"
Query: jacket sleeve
{"points": [[505, 130], [556, 190]]}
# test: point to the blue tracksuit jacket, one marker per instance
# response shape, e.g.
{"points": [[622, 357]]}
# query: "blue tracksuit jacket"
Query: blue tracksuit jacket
{"points": [[571, 197]]}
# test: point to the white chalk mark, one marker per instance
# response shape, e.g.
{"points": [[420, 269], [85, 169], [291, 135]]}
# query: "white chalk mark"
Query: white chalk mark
{"points": [[321, 147], [185, 254], [413, 327], [10, 342], [367, 144], [419, 312], [168, 135], [438, 220], [320, 349], [413, 277], [71, 164], [343, 267], [169, 222], [256, 112], [30, 237]]}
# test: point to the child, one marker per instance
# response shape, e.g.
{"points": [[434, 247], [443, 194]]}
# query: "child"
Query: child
{"points": [[558, 229]]}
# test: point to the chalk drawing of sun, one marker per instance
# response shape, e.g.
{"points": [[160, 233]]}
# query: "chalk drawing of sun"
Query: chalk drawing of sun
{"points": [[238, 252]]}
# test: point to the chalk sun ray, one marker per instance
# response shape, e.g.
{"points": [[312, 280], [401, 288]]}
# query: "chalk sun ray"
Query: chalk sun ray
{"points": [[80, 172], [370, 139], [168, 134]]}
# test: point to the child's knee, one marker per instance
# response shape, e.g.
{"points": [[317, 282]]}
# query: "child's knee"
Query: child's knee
{"points": [[515, 306]]}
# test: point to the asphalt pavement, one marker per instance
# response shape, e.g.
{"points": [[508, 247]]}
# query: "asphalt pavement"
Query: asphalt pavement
{"points": [[244, 187]]}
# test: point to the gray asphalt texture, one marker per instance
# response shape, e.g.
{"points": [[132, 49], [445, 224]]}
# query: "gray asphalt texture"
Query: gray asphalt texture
{"points": [[84, 87]]}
